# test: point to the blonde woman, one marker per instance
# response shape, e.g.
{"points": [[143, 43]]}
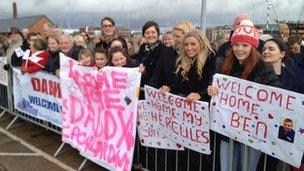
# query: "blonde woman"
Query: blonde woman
{"points": [[179, 30], [164, 71], [80, 42], [194, 69], [138, 40]]}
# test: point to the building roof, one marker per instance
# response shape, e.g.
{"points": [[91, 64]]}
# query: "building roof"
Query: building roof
{"points": [[21, 22]]}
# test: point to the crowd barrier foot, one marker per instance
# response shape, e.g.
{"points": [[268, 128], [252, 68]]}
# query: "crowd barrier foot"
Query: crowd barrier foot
{"points": [[2, 117], [60, 151], [12, 122], [82, 165], [2, 113]]}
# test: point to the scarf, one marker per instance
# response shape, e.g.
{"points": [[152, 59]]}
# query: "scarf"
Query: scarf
{"points": [[148, 49]]}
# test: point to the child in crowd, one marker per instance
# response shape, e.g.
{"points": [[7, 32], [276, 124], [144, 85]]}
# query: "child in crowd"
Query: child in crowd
{"points": [[101, 58], [119, 41], [85, 58], [119, 58]]}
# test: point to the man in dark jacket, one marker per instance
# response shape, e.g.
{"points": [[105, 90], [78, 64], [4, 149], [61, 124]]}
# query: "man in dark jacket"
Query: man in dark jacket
{"points": [[296, 61], [286, 132], [68, 48], [16, 59], [295, 42]]}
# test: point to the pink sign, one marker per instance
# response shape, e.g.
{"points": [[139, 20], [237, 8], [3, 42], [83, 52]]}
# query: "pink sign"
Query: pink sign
{"points": [[99, 112]]}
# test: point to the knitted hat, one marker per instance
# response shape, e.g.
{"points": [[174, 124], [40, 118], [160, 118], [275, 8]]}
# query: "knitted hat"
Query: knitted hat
{"points": [[247, 33]]}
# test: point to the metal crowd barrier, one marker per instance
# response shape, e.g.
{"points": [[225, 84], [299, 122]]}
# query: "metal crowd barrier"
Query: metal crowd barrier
{"points": [[147, 158], [3, 100]]}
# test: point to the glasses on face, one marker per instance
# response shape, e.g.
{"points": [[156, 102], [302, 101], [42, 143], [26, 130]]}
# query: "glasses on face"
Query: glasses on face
{"points": [[107, 26]]}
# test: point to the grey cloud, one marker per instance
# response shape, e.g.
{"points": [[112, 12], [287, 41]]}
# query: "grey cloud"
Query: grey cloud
{"points": [[166, 12]]}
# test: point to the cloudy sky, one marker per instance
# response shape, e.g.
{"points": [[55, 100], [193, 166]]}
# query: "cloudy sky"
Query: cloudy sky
{"points": [[134, 13]]}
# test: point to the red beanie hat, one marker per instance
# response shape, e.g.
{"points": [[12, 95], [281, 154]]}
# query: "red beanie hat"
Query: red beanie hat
{"points": [[247, 33]]}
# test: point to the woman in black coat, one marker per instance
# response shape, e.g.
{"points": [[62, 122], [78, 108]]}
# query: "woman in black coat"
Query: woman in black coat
{"points": [[273, 53], [194, 69], [149, 52], [164, 71]]}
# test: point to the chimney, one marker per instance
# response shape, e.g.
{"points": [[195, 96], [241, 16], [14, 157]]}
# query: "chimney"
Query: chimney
{"points": [[15, 10]]}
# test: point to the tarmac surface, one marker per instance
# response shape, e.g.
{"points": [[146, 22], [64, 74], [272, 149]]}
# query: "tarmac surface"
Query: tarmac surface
{"points": [[28, 147]]}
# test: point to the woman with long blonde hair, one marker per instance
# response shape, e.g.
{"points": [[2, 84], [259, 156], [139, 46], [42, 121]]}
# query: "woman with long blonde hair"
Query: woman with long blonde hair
{"points": [[194, 70], [194, 67], [185, 60], [164, 71]]}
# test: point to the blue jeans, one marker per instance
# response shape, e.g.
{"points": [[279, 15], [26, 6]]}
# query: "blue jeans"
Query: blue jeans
{"points": [[238, 156]]}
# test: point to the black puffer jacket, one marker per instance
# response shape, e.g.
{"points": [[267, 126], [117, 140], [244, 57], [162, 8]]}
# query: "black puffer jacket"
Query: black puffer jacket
{"points": [[149, 59], [194, 84], [263, 73], [288, 79], [73, 53], [164, 71], [17, 61], [52, 63]]}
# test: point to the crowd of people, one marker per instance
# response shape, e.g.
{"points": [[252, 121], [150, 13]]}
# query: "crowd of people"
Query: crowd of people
{"points": [[183, 63]]}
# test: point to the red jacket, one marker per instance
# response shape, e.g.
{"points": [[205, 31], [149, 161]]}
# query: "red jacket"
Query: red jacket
{"points": [[33, 67]]}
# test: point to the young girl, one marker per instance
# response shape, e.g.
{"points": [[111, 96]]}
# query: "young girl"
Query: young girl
{"points": [[101, 58], [119, 58], [243, 61], [119, 41], [85, 58], [53, 64]]}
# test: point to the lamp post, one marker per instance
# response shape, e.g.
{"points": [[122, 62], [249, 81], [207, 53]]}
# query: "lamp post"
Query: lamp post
{"points": [[203, 16]]}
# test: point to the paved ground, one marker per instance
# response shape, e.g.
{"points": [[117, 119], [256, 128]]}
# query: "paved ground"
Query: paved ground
{"points": [[28, 147]]}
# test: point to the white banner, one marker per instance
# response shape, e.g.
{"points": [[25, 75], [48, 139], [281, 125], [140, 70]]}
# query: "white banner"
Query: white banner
{"points": [[263, 117], [39, 95], [99, 112], [147, 133], [186, 123], [3, 73]]}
